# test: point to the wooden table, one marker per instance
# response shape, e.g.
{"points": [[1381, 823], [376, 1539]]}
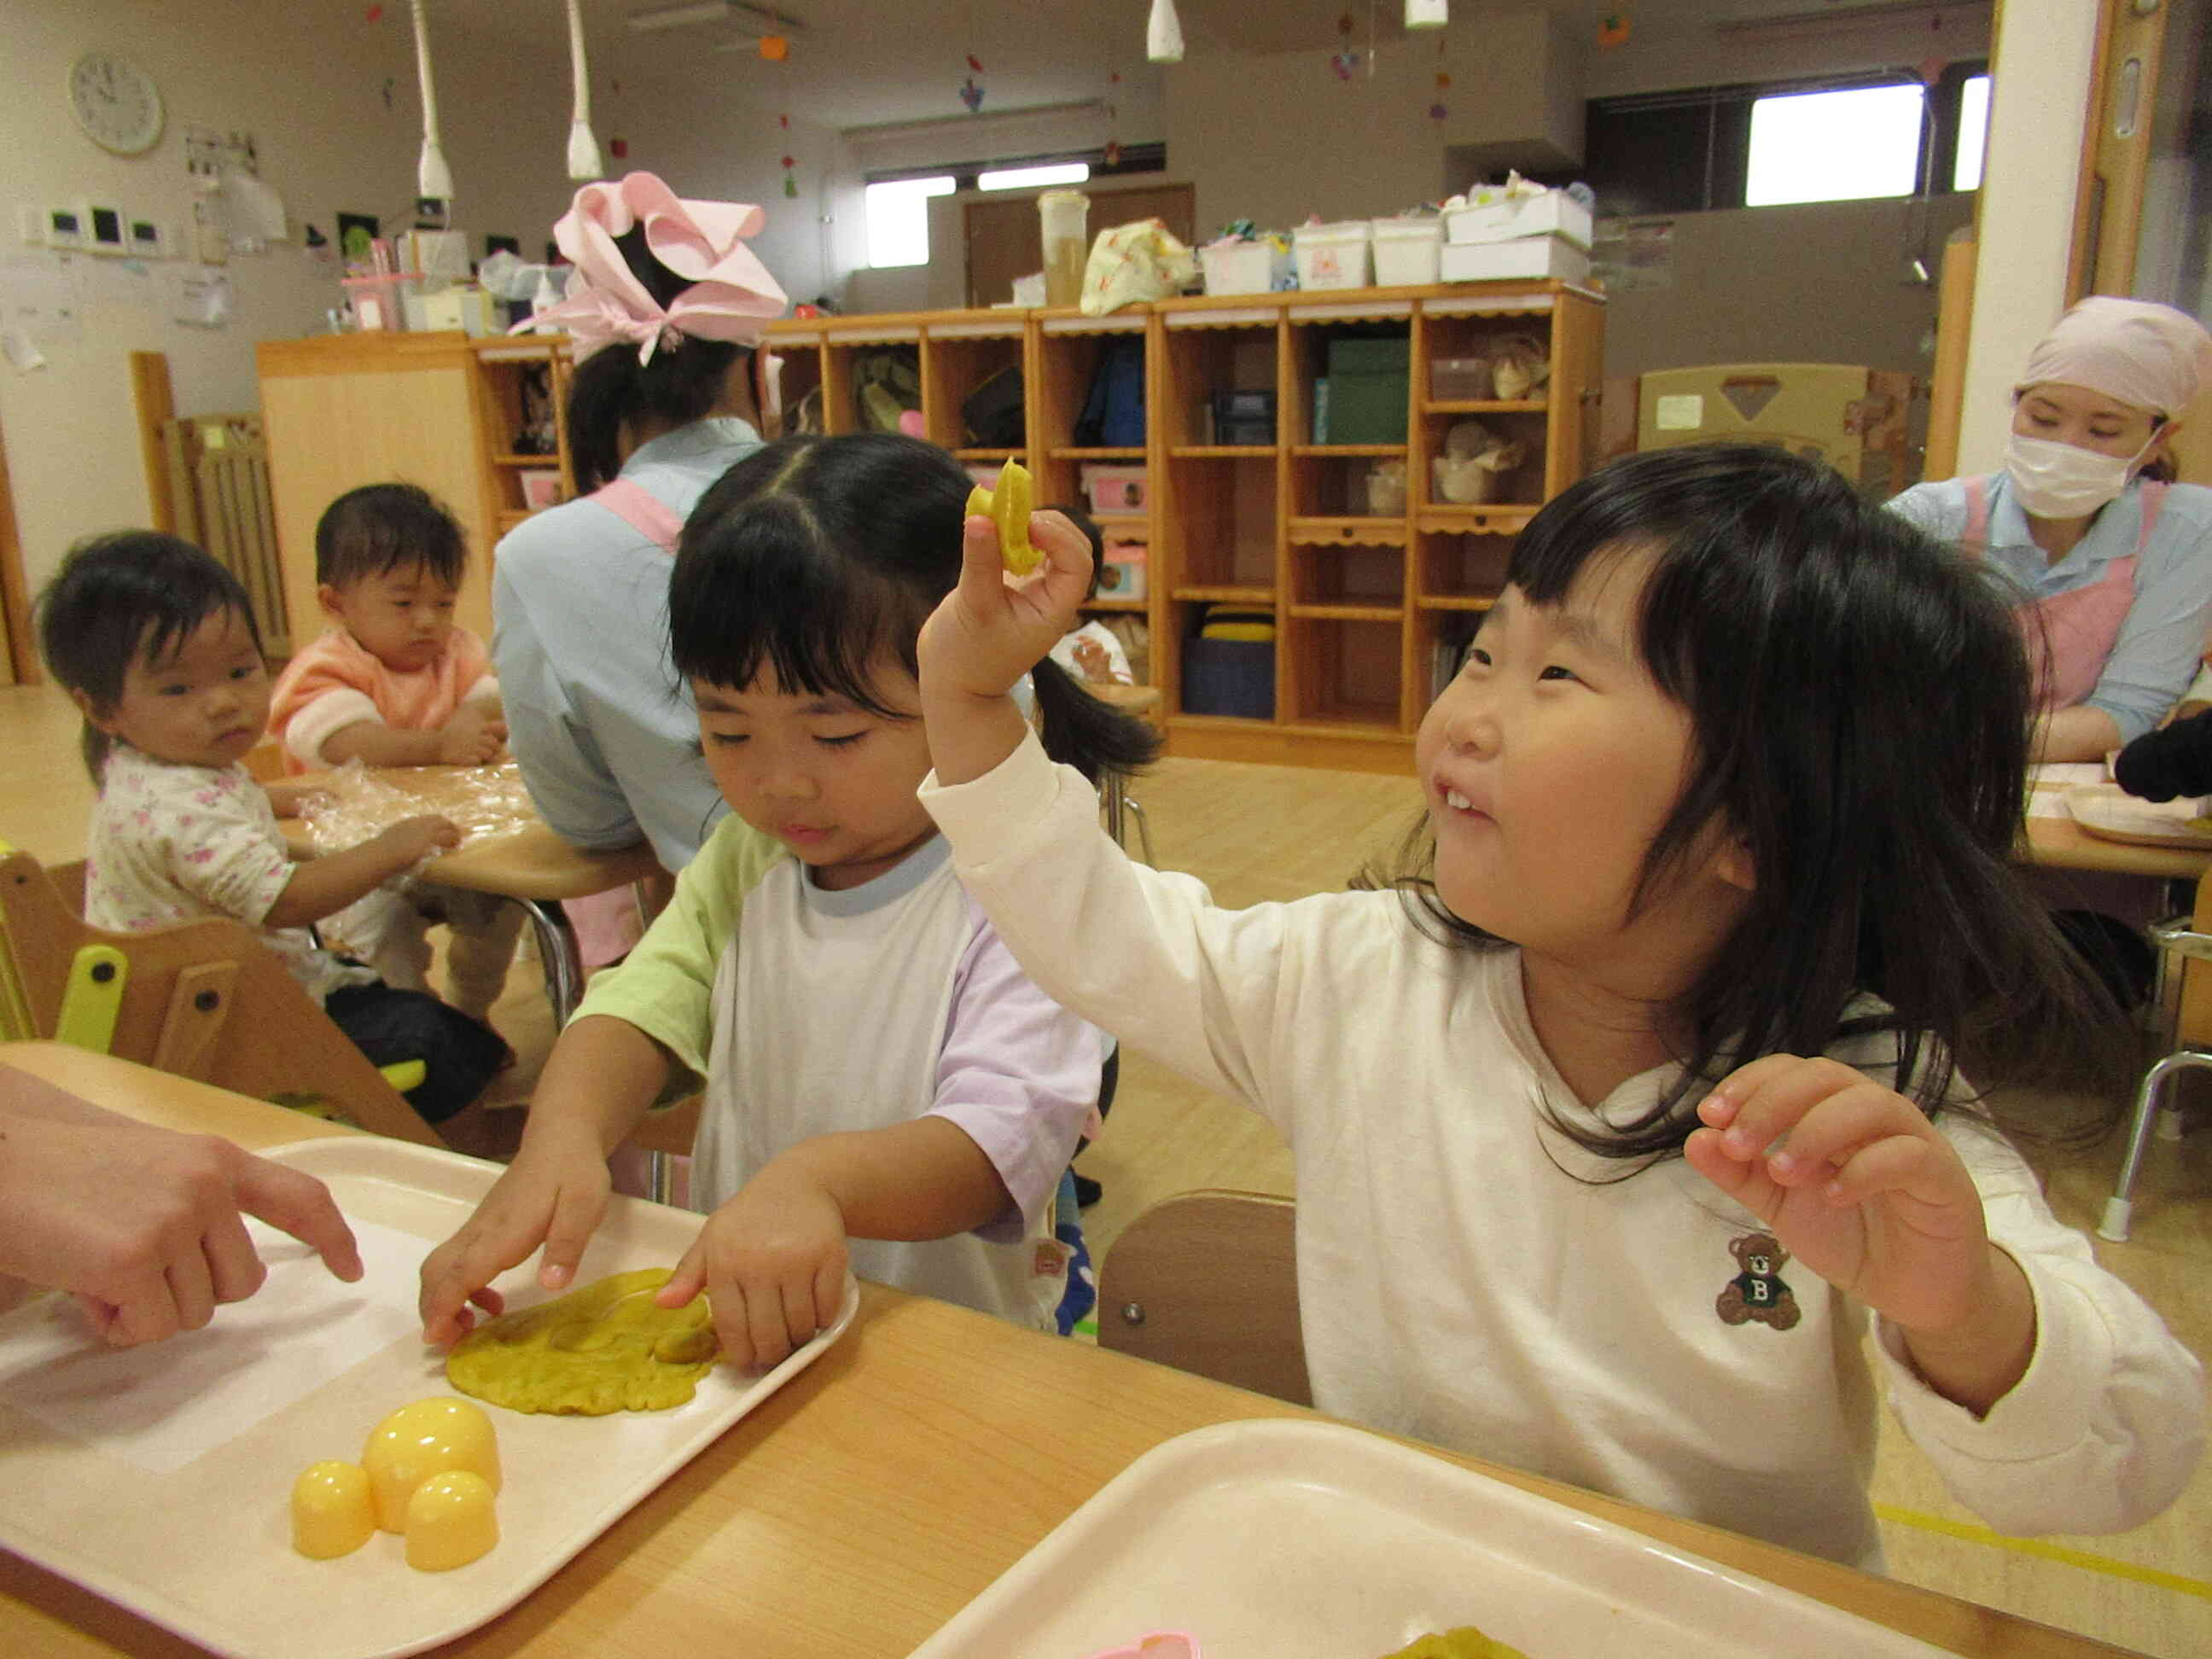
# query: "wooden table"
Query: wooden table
{"points": [[527, 863], [877, 1493]]}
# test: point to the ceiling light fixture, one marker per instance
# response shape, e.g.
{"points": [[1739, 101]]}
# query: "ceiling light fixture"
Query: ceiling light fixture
{"points": [[583, 147], [432, 177], [1427, 14], [1163, 33]]}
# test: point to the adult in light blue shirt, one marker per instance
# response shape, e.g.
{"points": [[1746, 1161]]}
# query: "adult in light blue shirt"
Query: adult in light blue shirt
{"points": [[665, 309], [2110, 564], [604, 730]]}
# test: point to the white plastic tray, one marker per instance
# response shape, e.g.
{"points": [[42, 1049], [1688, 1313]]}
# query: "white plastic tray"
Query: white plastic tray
{"points": [[2106, 811], [1283, 1540], [206, 1549]]}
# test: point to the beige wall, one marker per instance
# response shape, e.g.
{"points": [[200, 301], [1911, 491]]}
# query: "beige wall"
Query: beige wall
{"points": [[1828, 282], [307, 82]]}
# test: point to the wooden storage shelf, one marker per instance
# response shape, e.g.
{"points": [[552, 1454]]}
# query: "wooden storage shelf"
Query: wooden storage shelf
{"points": [[1367, 606], [1360, 533], [1486, 406], [439, 409]]}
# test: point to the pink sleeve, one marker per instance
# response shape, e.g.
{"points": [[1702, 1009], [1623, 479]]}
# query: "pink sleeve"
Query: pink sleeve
{"points": [[1018, 1073]]}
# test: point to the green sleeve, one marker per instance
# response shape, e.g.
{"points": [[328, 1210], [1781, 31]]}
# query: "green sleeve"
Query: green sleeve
{"points": [[666, 986]]}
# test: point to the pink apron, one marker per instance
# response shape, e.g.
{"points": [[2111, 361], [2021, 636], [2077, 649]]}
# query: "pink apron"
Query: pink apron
{"points": [[607, 924], [2078, 628]]}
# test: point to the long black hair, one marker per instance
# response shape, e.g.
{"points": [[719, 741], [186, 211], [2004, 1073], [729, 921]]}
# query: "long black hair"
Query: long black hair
{"points": [[819, 557], [610, 388], [122, 598], [1859, 696]]}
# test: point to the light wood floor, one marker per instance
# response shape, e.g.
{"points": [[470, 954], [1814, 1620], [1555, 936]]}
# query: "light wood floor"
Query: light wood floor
{"points": [[1255, 833]]}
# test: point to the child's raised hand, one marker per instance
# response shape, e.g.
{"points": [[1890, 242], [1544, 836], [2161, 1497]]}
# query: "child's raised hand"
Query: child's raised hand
{"points": [[993, 628], [554, 1193], [1859, 1186], [772, 1263], [474, 736], [411, 839]]}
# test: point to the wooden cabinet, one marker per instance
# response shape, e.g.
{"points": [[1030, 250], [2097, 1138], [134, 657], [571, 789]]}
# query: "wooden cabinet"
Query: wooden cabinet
{"points": [[439, 409], [1371, 596]]}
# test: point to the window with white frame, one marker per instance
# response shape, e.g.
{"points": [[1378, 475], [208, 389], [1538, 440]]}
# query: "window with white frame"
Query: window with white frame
{"points": [[899, 219], [1839, 146]]}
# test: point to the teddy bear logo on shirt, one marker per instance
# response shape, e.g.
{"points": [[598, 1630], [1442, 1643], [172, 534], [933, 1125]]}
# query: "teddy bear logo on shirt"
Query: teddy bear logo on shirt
{"points": [[1757, 1291]]}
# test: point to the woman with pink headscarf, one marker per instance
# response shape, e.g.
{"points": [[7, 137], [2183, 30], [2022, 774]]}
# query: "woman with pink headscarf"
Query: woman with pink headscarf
{"points": [[665, 309], [2111, 561]]}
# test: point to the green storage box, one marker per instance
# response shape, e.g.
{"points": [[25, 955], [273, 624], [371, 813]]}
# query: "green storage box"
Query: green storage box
{"points": [[1392, 355], [1366, 408], [1369, 382]]}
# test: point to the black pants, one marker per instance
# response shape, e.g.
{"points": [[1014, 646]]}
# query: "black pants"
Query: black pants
{"points": [[459, 1056]]}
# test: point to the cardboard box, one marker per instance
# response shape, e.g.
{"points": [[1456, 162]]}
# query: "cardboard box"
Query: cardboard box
{"points": [[1554, 213], [1525, 256]]}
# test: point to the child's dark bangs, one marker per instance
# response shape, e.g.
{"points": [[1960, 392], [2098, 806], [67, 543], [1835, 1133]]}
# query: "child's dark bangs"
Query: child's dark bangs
{"points": [[768, 593]]}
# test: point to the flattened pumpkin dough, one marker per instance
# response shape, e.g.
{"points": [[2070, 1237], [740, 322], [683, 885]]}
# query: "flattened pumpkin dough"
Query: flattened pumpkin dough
{"points": [[602, 1347]]}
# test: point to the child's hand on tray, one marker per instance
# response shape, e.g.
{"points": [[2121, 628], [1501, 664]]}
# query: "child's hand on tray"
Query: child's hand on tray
{"points": [[554, 1193], [772, 1263]]}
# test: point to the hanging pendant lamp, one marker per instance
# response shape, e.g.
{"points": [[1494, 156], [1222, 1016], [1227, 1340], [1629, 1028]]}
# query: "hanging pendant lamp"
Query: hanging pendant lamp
{"points": [[584, 161], [433, 178], [1163, 33]]}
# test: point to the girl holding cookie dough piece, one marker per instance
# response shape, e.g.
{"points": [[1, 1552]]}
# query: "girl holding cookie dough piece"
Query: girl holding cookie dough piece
{"points": [[1622, 1113]]}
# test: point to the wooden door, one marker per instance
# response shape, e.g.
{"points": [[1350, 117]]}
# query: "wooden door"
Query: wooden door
{"points": [[2115, 150], [1003, 241]]}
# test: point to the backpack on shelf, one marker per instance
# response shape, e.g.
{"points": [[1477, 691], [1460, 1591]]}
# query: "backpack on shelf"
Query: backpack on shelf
{"points": [[995, 414], [1114, 413]]}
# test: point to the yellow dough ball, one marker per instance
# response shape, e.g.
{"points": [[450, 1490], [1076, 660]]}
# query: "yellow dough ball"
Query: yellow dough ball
{"points": [[1009, 506], [332, 1513], [451, 1520], [427, 1438]]}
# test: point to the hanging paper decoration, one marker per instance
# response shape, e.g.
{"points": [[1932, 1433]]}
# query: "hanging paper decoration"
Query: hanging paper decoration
{"points": [[1612, 29], [432, 177], [790, 182], [1344, 63], [619, 149], [583, 149], [974, 63], [1113, 152], [776, 48], [376, 14], [971, 94], [1438, 110]]}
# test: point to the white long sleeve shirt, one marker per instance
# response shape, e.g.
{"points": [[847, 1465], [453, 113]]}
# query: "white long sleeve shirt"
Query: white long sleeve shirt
{"points": [[1457, 1283]]}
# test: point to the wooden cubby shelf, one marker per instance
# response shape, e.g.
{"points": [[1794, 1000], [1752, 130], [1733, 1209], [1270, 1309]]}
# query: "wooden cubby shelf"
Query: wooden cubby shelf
{"points": [[1370, 606]]}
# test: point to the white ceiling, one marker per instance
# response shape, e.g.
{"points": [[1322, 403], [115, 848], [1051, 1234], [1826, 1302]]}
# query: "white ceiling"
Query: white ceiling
{"points": [[859, 63]]}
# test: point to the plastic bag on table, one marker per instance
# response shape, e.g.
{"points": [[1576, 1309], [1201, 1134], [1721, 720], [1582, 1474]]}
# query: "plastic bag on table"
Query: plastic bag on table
{"points": [[1132, 264], [357, 805]]}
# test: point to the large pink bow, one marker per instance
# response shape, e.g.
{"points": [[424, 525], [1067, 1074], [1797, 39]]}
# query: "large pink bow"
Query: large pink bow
{"points": [[731, 295]]}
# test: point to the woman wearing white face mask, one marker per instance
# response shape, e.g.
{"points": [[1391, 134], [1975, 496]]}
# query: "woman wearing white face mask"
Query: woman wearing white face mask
{"points": [[2112, 563]]}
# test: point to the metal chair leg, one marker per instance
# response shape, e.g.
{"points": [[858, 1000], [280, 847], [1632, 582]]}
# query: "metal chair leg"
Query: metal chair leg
{"points": [[1135, 809], [1114, 796], [2119, 1208]]}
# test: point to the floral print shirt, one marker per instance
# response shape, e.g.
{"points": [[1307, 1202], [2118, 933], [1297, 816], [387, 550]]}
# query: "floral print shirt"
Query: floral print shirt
{"points": [[173, 844]]}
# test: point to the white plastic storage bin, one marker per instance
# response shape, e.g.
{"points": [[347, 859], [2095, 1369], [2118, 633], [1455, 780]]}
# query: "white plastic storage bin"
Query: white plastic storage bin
{"points": [[1554, 213], [1406, 251], [1332, 256], [1236, 267], [1524, 256]]}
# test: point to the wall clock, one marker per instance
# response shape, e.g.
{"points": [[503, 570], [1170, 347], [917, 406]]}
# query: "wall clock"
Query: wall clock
{"points": [[116, 103]]}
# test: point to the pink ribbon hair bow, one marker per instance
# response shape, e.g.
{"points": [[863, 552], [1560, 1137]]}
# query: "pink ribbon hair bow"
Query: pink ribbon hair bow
{"points": [[731, 295]]}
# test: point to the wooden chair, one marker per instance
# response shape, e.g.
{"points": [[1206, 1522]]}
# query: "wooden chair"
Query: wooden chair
{"points": [[1207, 1282], [202, 999]]}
